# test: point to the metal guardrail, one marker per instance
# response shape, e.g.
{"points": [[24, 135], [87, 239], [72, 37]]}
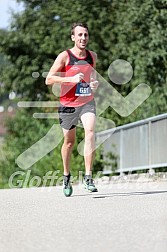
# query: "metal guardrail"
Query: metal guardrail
{"points": [[137, 146]]}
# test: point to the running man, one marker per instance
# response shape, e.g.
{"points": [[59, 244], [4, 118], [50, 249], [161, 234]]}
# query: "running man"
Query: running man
{"points": [[78, 83]]}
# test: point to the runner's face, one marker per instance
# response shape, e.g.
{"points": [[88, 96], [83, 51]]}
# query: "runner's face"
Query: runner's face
{"points": [[80, 37]]}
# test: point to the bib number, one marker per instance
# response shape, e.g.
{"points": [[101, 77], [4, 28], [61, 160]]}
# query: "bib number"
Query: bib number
{"points": [[83, 89]]}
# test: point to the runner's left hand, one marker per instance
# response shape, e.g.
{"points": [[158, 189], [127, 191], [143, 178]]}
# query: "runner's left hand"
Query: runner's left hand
{"points": [[93, 84]]}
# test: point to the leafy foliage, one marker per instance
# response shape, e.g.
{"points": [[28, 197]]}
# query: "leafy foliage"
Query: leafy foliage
{"points": [[130, 30]]}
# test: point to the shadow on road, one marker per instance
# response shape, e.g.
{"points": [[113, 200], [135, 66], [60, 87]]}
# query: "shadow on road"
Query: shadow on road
{"points": [[107, 195]]}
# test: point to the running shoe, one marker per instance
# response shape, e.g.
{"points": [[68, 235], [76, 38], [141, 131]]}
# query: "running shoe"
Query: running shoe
{"points": [[67, 190], [89, 184]]}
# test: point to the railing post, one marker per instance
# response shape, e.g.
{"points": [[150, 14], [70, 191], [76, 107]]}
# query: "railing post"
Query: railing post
{"points": [[121, 152], [149, 143]]}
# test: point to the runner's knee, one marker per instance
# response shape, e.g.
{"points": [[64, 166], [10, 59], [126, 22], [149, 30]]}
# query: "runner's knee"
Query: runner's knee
{"points": [[89, 133], [69, 143]]}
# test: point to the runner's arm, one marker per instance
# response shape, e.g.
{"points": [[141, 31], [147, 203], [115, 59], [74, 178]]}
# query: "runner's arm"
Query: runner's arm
{"points": [[93, 77], [53, 78]]}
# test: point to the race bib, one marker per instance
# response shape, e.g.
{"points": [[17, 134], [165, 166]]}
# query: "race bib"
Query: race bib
{"points": [[83, 89]]}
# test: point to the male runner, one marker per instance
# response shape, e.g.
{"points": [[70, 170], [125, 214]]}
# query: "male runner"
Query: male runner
{"points": [[77, 101]]}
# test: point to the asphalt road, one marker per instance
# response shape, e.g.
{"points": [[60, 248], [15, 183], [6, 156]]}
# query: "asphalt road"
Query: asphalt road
{"points": [[123, 217]]}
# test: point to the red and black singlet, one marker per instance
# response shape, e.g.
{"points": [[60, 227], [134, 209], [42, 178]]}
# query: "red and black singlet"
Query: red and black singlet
{"points": [[72, 94]]}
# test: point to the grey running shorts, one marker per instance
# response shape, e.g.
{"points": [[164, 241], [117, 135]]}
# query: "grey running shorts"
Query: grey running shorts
{"points": [[69, 116]]}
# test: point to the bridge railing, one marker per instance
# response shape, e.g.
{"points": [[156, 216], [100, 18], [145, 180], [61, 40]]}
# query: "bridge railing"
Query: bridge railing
{"points": [[138, 145]]}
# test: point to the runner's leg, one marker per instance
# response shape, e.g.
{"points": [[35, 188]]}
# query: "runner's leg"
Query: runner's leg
{"points": [[66, 150], [88, 120]]}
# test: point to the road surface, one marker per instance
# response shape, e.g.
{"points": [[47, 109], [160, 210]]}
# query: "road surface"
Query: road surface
{"points": [[123, 217]]}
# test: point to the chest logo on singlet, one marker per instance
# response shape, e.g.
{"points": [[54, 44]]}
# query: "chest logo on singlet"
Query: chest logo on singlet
{"points": [[83, 89]]}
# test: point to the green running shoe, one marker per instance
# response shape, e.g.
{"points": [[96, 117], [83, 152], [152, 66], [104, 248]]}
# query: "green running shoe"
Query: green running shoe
{"points": [[89, 184], [67, 190]]}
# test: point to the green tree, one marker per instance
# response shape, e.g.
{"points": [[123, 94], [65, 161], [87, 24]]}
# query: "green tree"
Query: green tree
{"points": [[139, 36], [130, 30], [36, 37]]}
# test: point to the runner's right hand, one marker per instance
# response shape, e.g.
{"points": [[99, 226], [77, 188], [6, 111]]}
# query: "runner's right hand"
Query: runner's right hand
{"points": [[77, 78]]}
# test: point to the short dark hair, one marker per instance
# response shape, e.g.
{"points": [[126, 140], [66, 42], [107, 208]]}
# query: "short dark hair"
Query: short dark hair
{"points": [[78, 24]]}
